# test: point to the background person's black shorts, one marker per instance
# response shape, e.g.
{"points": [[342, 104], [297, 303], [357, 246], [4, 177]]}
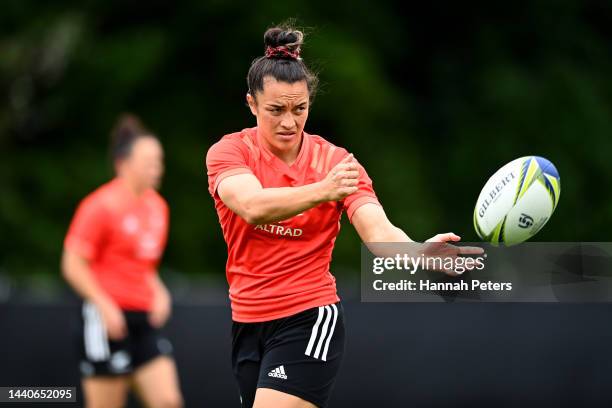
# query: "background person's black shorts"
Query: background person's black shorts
{"points": [[298, 355], [100, 356]]}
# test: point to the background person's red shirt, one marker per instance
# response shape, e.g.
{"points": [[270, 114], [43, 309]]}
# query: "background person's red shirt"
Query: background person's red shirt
{"points": [[279, 269], [123, 237]]}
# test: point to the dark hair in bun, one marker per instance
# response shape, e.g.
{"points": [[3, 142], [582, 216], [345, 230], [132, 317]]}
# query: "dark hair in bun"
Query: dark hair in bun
{"points": [[126, 131], [281, 61]]}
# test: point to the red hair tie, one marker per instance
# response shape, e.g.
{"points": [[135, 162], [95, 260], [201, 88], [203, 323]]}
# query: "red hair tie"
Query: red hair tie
{"points": [[282, 52]]}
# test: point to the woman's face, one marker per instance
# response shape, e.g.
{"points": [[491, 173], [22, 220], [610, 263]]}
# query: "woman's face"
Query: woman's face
{"points": [[281, 111], [145, 164]]}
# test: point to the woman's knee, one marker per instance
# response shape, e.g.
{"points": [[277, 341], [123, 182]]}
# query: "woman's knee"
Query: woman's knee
{"points": [[168, 400]]}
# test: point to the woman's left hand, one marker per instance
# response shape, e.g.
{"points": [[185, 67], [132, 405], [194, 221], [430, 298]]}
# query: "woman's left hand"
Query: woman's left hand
{"points": [[161, 310], [438, 246]]}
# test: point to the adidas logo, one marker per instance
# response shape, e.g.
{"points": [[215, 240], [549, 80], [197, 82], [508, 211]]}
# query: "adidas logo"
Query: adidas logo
{"points": [[278, 372]]}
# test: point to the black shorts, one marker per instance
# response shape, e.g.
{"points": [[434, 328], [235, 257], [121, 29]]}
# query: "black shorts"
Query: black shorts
{"points": [[298, 355], [100, 356]]}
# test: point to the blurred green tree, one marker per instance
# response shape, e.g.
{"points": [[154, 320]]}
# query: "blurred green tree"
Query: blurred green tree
{"points": [[432, 100]]}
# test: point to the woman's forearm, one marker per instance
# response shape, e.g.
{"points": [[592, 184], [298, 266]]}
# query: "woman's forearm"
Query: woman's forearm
{"points": [[159, 288], [275, 204], [77, 273]]}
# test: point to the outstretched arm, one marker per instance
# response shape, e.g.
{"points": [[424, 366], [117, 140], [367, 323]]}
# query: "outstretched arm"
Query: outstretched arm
{"points": [[373, 227]]}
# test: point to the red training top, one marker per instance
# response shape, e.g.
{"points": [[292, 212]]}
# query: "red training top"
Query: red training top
{"points": [[123, 237], [277, 270]]}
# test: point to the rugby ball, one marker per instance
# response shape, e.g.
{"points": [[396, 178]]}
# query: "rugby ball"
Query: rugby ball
{"points": [[517, 201]]}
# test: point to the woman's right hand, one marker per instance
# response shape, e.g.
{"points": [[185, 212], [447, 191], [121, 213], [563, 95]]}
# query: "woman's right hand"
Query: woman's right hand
{"points": [[114, 320], [341, 181]]}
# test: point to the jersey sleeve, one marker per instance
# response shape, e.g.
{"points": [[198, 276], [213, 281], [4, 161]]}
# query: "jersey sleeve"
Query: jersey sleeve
{"points": [[225, 158], [365, 191], [87, 229]]}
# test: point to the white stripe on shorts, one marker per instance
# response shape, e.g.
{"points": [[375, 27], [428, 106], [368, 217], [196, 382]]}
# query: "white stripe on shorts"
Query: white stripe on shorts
{"points": [[328, 316], [96, 341], [315, 330], [331, 333]]}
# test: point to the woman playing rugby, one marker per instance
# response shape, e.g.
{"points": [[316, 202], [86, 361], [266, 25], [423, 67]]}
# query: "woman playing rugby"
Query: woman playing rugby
{"points": [[279, 193], [111, 252]]}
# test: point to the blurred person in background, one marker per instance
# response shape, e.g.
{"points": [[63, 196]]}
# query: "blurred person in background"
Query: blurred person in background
{"points": [[111, 254], [279, 193]]}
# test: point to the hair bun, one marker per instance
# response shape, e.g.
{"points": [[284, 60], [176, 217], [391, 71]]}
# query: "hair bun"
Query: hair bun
{"points": [[284, 36], [127, 126], [126, 130], [281, 60]]}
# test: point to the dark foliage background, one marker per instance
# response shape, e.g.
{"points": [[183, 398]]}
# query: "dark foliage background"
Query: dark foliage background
{"points": [[431, 97]]}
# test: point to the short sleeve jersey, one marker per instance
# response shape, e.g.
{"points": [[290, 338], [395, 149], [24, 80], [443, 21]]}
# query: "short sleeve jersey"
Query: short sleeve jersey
{"points": [[279, 269], [123, 237]]}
